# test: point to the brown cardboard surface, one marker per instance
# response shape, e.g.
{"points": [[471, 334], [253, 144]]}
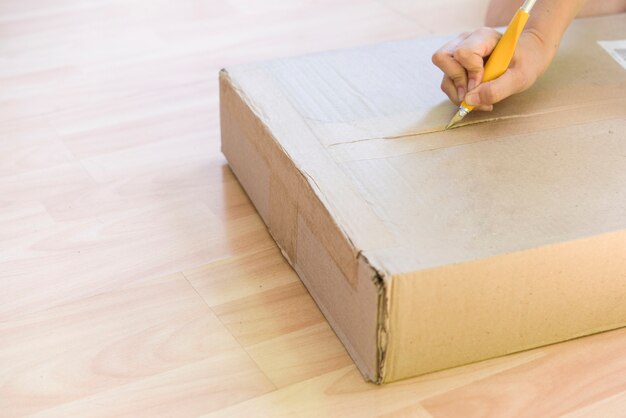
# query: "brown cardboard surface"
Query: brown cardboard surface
{"points": [[427, 248], [346, 289]]}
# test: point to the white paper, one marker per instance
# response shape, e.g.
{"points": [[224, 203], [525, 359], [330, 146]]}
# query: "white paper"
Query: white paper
{"points": [[617, 49]]}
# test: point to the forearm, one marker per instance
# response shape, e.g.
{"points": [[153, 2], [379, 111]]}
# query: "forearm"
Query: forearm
{"points": [[550, 19]]}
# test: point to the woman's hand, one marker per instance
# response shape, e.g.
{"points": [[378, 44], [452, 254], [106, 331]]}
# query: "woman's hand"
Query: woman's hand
{"points": [[462, 62]]}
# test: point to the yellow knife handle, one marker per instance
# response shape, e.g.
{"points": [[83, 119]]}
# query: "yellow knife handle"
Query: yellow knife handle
{"points": [[502, 54]]}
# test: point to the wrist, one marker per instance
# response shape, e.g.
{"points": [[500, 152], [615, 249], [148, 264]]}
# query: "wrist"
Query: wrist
{"points": [[539, 50]]}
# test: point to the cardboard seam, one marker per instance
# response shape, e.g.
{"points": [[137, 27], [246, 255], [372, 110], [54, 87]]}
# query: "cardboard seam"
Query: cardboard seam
{"points": [[474, 122]]}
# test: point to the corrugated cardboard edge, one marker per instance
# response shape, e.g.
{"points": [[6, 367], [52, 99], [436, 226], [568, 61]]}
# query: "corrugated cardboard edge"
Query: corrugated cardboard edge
{"points": [[551, 294], [383, 284], [263, 167]]}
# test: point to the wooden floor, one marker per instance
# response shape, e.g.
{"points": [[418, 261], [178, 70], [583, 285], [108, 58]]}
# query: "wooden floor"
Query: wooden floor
{"points": [[136, 279]]}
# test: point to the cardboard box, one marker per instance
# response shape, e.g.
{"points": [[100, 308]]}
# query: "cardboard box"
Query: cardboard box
{"points": [[428, 249]]}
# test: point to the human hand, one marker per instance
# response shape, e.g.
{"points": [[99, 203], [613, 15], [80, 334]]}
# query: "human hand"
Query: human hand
{"points": [[462, 62]]}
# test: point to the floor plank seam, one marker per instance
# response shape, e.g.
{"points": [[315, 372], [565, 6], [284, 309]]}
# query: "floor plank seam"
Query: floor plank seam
{"points": [[234, 337]]}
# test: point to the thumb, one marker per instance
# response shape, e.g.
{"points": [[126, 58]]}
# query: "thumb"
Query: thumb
{"points": [[511, 82]]}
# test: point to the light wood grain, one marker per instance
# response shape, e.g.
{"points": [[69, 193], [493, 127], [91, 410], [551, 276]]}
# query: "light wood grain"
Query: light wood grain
{"points": [[269, 314], [136, 279], [343, 393], [554, 385], [125, 349], [234, 278]]}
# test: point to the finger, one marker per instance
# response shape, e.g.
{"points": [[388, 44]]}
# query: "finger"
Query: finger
{"points": [[511, 82], [471, 53], [448, 87], [444, 59], [484, 108], [455, 73], [450, 46]]}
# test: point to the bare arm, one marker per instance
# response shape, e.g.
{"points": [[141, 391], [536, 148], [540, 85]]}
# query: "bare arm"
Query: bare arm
{"points": [[500, 11], [550, 19]]}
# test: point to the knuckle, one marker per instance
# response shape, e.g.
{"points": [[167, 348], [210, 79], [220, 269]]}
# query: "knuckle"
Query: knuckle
{"points": [[469, 60], [458, 80], [438, 57], [463, 54]]}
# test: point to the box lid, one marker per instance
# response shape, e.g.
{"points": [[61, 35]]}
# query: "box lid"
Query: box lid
{"points": [[366, 128]]}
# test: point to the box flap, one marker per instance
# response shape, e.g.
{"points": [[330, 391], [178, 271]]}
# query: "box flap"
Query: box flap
{"points": [[536, 171]]}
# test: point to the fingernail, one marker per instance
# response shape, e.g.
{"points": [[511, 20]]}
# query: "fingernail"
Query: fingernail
{"points": [[472, 99], [471, 85], [461, 93]]}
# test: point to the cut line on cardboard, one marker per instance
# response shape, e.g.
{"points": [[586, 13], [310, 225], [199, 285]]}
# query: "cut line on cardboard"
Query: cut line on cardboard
{"points": [[465, 123], [375, 148], [481, 121], [616, 49]]}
